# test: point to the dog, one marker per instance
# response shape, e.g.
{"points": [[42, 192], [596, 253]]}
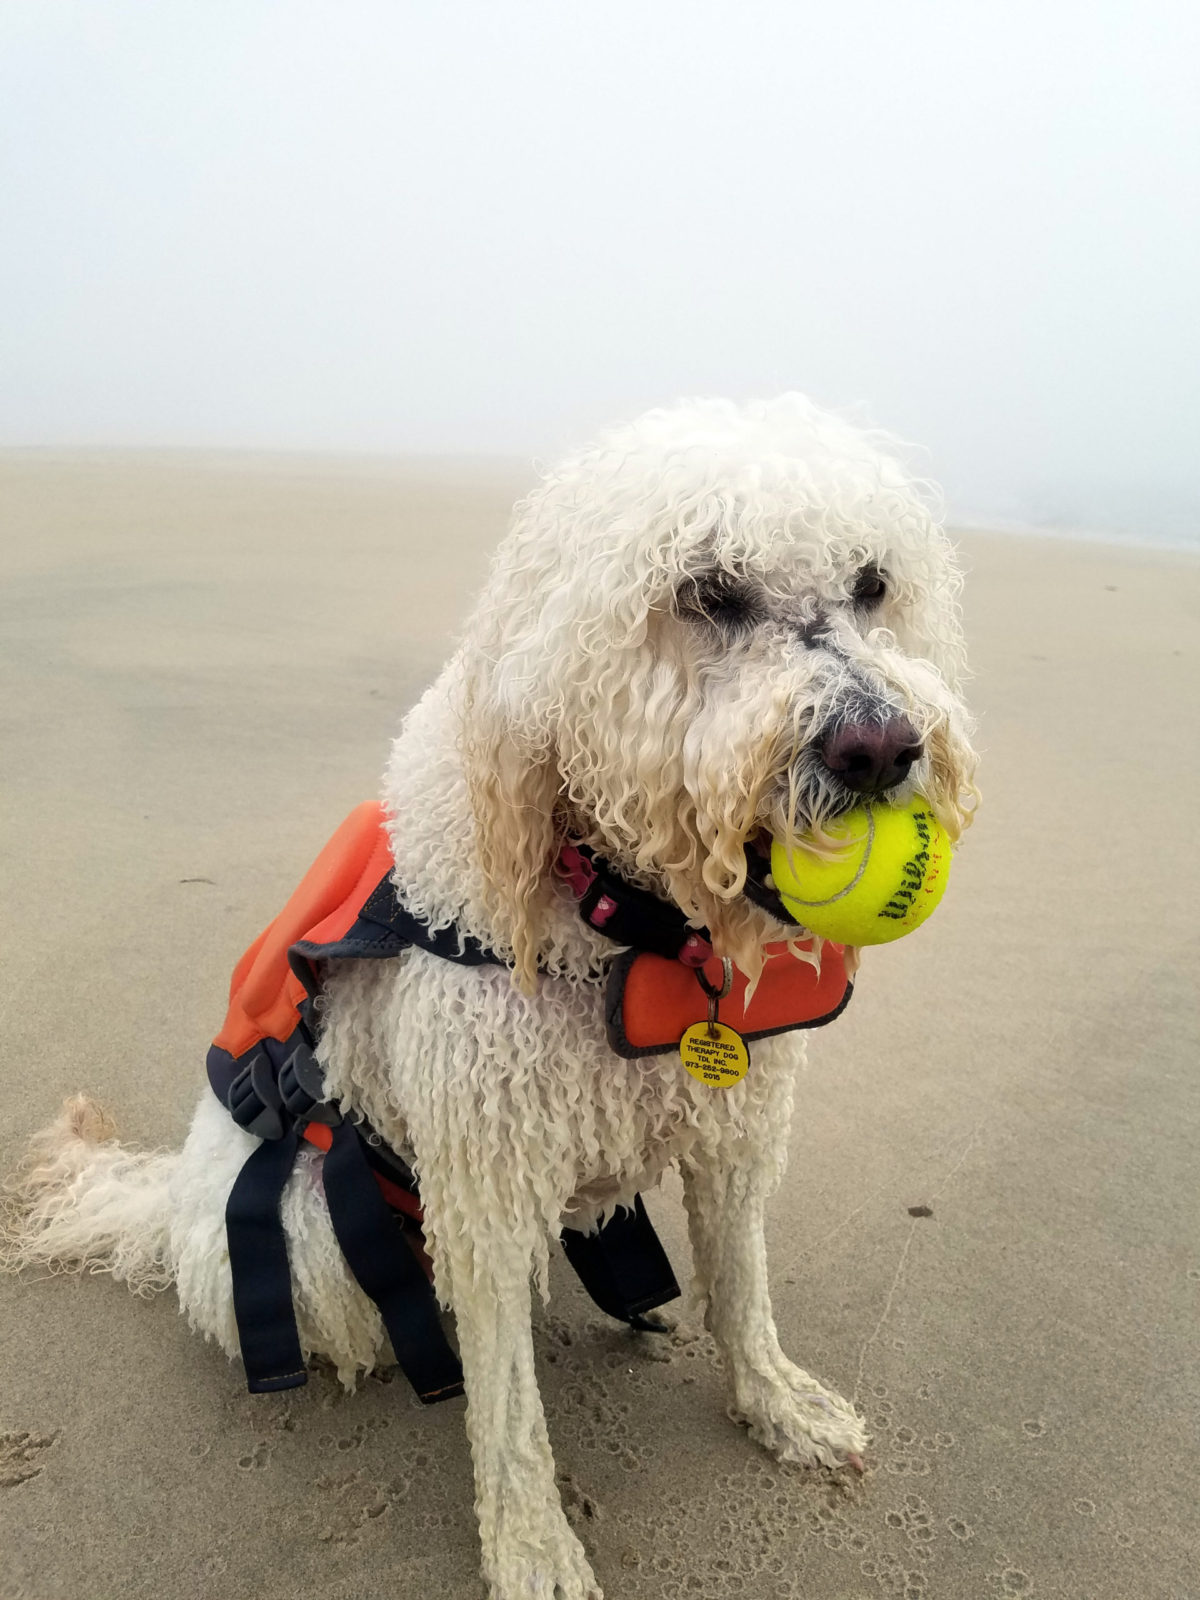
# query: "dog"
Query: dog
{"points": [[720, 624]]}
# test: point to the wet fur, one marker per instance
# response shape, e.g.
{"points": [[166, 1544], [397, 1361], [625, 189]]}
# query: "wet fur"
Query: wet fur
{"points": [[593, 697]]}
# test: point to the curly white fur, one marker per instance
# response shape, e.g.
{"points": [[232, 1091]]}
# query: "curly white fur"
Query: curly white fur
{"points": [[602, 694]]}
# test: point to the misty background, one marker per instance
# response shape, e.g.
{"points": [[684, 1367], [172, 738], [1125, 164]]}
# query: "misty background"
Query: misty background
{"points": [[402, 227]]}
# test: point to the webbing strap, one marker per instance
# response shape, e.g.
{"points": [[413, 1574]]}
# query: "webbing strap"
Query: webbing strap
{"points": [[262, 1280], [387, 1269], [623, 1267]]}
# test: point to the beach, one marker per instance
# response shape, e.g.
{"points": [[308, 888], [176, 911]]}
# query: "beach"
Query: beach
{"points": [[988, 1234]]}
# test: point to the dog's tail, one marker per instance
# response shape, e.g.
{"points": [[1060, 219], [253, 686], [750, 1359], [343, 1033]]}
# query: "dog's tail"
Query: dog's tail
{"points": [[82, 1202]]}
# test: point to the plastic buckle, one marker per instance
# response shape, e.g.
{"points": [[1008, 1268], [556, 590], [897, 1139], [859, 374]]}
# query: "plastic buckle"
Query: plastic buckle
{"points": [[254, 1100], [302, 1089]]}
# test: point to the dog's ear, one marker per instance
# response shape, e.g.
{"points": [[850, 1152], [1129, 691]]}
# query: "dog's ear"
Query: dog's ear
{"points": [[513, 787]]}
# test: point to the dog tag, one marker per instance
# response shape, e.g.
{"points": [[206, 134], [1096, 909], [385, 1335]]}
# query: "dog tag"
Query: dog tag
{"points": [[715, 1054], [712, 1052]]}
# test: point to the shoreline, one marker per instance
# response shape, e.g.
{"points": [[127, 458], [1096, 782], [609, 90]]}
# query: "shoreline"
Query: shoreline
{"points": [[479, 466]]}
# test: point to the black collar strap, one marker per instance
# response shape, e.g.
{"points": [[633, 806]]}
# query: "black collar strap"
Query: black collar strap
{"points": [[628, 915]]}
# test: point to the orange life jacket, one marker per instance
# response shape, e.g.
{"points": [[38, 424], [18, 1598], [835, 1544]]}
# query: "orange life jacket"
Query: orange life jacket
{"points": [[345, 906], [263, 1067], [266, 993]]}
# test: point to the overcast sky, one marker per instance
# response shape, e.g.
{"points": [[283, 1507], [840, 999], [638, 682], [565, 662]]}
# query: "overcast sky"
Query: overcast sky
{"points": [[420, 225]]}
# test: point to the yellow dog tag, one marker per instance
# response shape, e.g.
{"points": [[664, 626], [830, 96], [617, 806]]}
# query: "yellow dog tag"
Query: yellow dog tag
{"points": [[714, 1054]]}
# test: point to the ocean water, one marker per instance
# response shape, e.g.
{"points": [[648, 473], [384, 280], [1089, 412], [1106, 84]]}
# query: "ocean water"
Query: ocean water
{"points": [[1155, 519]]}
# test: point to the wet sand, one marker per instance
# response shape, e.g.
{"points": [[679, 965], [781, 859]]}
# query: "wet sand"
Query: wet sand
{"points": [[203, 659]]}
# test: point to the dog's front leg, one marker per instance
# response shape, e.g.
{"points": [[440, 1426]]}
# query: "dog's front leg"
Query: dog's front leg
{"points": [[529, 1549], [786, 1410]]}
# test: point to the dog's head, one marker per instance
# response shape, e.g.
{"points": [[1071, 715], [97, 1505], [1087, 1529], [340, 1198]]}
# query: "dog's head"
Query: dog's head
{"points": [[720, 623]]}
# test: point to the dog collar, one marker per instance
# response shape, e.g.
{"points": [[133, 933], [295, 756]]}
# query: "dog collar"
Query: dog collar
{"points": [[627, 915], [660, 986]]}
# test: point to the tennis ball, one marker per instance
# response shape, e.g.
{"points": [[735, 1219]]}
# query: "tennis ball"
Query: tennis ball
{"points": [[884, 883]]}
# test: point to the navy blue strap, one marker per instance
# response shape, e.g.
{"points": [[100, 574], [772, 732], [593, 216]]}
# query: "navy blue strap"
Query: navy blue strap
{"points": [[386, 1268], [385, 928], [624, 1266], [262, 1280]]}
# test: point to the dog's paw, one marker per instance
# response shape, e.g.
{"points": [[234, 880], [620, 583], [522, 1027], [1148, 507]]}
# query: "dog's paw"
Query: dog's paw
{"points": [[554, 1570], [797, 1419]]}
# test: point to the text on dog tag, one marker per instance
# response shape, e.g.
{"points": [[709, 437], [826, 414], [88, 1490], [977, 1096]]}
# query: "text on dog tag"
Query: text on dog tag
{"points": [[714, 1054]]}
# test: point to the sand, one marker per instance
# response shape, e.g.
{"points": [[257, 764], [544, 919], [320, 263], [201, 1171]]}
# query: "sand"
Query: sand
{"points": [[203, 659]]}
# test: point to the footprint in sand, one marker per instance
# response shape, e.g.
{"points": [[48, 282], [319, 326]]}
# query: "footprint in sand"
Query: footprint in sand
{"points": [[19, 1456]]}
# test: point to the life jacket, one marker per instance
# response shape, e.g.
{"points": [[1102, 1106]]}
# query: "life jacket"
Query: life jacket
{"points": [[262, 1066]]}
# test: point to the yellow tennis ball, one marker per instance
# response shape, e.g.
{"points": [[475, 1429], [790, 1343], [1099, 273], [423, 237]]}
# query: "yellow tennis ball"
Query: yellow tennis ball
{"points": [[886, 880]]}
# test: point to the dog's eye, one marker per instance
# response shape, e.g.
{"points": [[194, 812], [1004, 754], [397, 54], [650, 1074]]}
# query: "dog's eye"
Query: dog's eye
{"points": [[720, 598], [869, 586]]}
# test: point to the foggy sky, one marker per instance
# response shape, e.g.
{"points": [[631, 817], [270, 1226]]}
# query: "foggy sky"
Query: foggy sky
{"points": [[417, 226]]}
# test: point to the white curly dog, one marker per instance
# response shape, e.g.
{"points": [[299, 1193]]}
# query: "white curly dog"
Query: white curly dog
{"points": [[721, 622]]}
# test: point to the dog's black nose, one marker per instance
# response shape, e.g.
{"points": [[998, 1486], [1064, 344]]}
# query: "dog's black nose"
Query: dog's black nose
{"points": [[870, 757]]}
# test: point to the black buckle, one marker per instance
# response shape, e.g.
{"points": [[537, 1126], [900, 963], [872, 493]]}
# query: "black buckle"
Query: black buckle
{"points": [[266, 1100], [254, 1100], [302, 1088]]}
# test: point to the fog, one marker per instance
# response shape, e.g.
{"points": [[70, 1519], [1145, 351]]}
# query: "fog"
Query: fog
{"points": [[405, 226]]}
